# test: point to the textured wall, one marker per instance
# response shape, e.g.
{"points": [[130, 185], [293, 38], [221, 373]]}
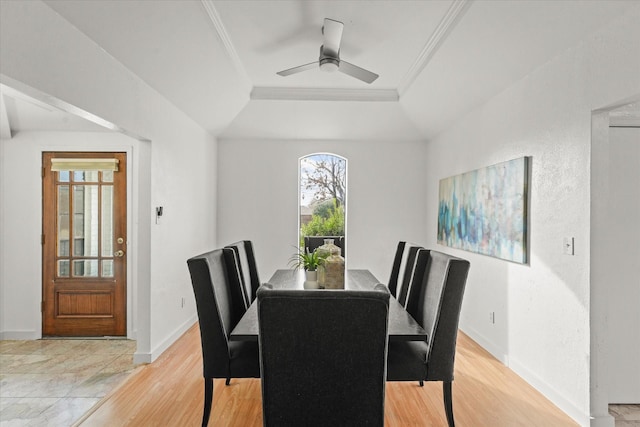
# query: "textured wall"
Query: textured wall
{"points": [[542, 310]]}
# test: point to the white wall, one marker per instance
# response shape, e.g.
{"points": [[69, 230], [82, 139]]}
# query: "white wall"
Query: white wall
{"points": [[542, 308], [41, 50], [258, 198], [22, 222], [623, 261]]}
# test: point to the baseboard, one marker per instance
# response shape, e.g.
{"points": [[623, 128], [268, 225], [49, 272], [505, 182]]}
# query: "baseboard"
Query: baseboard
{"points": [[545, 389], [139, 358], [550, 393], [20, 335], [487, 344]]}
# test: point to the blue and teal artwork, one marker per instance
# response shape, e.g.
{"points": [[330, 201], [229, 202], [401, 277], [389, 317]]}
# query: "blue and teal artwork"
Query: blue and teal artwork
{"points": [[485, 211]]}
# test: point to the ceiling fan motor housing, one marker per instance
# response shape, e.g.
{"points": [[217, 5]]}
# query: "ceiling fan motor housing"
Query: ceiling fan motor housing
{"points": [[328, 62]]}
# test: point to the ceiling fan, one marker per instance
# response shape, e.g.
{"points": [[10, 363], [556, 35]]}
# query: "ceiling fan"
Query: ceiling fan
{"points": [[330, 56]]}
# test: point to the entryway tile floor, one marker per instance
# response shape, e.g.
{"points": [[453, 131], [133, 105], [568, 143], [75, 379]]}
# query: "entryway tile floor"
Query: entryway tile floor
{"points": [[54, 382], [626, 415]]}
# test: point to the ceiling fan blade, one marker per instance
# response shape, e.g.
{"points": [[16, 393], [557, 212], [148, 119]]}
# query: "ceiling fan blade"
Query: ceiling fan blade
{"points": [[332, 31], [357, 72], [298, 69]]}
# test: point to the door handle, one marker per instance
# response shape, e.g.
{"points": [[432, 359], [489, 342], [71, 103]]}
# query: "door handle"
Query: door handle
{"points": [[119, 253]]}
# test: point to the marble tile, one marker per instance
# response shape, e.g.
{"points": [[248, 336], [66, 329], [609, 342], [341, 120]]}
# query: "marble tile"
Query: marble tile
{"points": [[7, 346], [54, 382], [97, 385], [122, 363], [24, 363], [39, 385], [99, 347], [625, 415], [64, 412], [21, 411], [78, 363]]}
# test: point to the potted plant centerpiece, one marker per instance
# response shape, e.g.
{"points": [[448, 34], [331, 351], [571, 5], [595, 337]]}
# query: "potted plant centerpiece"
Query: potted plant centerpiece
{"points": [[309, 261]]}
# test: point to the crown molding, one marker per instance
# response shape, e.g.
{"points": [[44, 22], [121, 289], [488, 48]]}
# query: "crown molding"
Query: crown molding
{"points": [[226, 41], [445, 26], [324, 94]]}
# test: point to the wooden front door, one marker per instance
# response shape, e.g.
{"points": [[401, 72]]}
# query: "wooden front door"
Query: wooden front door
{"points": [[84, 243]]}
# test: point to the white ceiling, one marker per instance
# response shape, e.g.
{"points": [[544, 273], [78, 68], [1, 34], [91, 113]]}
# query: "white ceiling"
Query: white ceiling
{"points": [[437, 59]]}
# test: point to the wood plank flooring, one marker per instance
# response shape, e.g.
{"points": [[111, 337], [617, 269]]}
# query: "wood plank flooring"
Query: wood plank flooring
{"points": [[169, 392]]}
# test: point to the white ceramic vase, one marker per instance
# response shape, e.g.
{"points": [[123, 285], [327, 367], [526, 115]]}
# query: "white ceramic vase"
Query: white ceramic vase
{"points": [[311, 279]]}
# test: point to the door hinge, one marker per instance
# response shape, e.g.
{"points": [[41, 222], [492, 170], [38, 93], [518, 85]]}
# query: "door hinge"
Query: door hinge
{"points": [[42, 239], [42, 307], [44, 170]]}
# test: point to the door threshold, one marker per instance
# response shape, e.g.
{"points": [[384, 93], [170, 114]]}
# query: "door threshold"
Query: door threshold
{"points": [[86, 338]]}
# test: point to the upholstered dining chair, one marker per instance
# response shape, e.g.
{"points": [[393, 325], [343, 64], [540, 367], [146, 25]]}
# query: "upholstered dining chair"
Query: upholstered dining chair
{"points": [[435, 305], [248, 269], [323, 356], [395, 268], [402, 268], [213, 282], [407, 272]]}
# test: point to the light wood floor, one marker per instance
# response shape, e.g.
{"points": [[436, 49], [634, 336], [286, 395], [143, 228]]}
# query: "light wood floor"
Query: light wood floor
{"points": [[169, 392]]}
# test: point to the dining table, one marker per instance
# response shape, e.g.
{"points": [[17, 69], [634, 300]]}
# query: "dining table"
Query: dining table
{"points": [[402, 326]]}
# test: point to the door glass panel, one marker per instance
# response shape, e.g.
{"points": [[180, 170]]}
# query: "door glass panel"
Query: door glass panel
{"points": [[63, 176], [107, 220], [85, 224], [63, 268], [85, 268], [107, 268], [63, 220], [107, 176], [85, 220], [85, 176]]}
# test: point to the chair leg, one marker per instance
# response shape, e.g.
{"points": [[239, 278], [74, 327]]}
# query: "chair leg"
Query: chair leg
{"points": [[208, 398], [227, 381], [421, 383], [448, 402]]}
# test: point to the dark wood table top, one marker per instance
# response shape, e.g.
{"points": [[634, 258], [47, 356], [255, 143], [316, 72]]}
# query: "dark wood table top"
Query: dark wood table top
{"points": [[402, 327]]}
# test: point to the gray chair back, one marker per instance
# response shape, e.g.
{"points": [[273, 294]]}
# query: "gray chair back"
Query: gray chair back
{"points": [[395, 268], [323, 356], [213, 292], [217, 291], [248, 270], [407, 268], [438, 311]]}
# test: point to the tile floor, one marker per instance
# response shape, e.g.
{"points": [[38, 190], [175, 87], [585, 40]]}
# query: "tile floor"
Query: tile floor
{"points": [[626, 415], [54, 382]]}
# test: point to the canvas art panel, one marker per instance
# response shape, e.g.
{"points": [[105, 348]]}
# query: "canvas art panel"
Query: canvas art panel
{"points": [[485, 210]]}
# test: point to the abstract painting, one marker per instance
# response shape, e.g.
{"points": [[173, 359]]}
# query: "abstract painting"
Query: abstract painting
{"points": [[485, 210]]}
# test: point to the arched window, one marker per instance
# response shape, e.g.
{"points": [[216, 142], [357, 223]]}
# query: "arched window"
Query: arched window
{"points": [[323, 200]]}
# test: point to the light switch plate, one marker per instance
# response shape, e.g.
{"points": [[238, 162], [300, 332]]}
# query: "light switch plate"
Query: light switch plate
{"points": [[568, 245]]}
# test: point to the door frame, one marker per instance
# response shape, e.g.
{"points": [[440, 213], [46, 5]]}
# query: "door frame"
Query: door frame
{"points": [[132, 208], [93, 324], [598, 289]]}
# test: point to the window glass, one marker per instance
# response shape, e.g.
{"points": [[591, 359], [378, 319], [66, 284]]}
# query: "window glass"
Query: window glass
{"points": [[323, 196]]}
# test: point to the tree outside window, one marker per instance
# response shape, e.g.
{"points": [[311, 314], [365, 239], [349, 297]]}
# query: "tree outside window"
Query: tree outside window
{"points": [[323, 190]]}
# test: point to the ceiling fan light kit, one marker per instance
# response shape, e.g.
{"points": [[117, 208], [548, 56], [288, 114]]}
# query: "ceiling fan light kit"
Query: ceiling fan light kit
{"points": [[330, 56], [329, 64]]}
